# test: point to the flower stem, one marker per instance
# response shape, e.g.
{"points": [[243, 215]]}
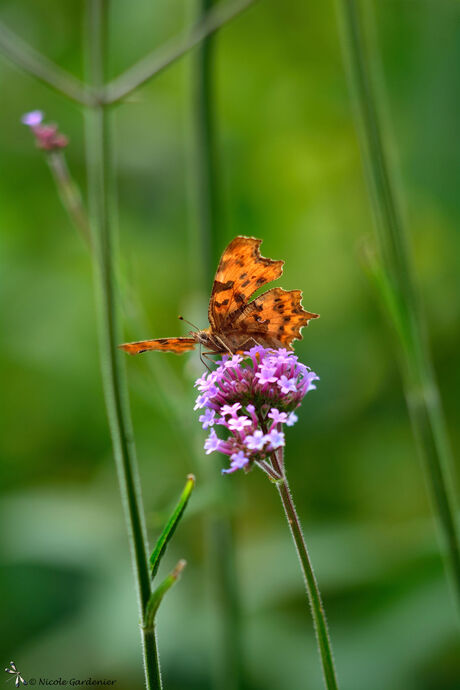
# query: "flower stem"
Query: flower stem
{"points": [[116, 399], [205, 151], [227, 643], [69, 194], [417, 372], [314, 596]]}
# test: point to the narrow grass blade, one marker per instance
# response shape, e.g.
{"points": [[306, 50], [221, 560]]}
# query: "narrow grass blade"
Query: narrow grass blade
{"points": [[170, 528], [397, 284]]}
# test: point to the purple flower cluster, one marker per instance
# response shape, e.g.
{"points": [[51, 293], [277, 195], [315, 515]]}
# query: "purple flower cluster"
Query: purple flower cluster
{"points": [[47, 137], [252, 396]]}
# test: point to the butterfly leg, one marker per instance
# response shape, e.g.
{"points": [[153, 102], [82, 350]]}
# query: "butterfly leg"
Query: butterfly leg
{"points": [[226, 348], [248, 340], [202, 355]]}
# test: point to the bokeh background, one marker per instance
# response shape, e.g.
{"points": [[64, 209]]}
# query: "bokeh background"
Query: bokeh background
{"points": [[289, 172]]}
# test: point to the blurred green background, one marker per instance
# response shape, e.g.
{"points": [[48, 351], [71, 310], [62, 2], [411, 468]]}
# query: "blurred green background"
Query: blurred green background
{"points": [[289, 172]]}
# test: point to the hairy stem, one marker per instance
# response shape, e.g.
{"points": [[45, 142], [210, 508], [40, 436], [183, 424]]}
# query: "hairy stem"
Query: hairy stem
{"points": [[116, 398], [419, 380], [314, 596]]}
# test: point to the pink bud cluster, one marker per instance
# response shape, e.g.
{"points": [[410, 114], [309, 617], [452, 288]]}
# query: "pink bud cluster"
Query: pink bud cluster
{"points": [[47, 137]]}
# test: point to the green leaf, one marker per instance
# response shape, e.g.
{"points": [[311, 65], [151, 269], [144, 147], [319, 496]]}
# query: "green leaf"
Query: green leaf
{"points": [[160, 548], [157, 595]]}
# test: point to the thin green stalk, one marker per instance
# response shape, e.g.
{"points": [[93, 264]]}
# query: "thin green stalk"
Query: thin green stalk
{"points": [[116, 398], [31, 61], [419, 381], [227, 650], [165, 55], [206, 155], [69, 193], [313, 593]]}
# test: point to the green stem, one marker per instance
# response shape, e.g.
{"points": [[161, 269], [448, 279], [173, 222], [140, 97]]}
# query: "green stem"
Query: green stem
{"points": [[206, 163], [69, 194], [420, 384], [314, 596], [227, 650], [115, 392], [31, 61], [162, 57]]}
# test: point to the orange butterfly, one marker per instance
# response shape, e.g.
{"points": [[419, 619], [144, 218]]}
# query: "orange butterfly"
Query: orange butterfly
{"points": [[274, 319]]}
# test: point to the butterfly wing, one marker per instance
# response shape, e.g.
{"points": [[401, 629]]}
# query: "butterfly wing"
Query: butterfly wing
{"points": [[177, 345], [241, 271], [274, 319]]}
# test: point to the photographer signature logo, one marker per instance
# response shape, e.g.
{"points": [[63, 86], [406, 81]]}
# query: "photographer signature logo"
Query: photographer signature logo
{"points": [[14, 671]]}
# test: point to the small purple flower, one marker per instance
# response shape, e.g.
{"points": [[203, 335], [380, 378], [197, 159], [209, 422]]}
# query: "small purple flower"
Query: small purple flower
{"points": [[266, 375], [285, 356], [275, 439], [32, 119], [256, 441], [233, 362], [252, 396], [207, 419], [277, 416], [212, 443], [200, 402], [291, 419], [287, 385], [238, 423], [205, 382], [256, 351], [230, 409], [238, 462], [309, 378], [251, 410]]}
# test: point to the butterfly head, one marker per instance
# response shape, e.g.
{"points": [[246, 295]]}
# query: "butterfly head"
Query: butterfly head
{"points": [[206, 338], [202, 336]]}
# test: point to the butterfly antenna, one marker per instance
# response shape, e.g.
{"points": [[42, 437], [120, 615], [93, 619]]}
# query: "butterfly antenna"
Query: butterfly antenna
{"points": [[181, 318]]}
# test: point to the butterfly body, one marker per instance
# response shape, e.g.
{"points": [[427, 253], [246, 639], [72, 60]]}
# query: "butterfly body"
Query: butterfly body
{"points": [[274, 319]]}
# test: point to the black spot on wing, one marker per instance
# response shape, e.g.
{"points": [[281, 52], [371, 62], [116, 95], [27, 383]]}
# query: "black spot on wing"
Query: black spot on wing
{"points": [[220, 287]]}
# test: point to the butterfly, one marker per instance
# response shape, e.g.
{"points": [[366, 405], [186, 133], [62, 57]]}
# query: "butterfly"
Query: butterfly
{"points": [[274, 319]]}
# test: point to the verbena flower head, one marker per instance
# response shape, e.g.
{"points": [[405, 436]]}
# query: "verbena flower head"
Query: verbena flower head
{"points": [[47, 137], [252, 397]]}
